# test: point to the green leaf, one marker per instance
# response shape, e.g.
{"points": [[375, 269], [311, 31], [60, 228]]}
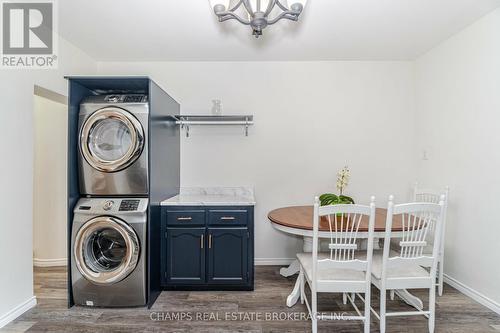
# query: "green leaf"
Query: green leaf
{"points": [[346, 199], [328, 199]]}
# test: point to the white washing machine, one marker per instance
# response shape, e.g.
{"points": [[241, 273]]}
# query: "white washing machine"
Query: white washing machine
{"points": [[108, 245], [113, 152]]}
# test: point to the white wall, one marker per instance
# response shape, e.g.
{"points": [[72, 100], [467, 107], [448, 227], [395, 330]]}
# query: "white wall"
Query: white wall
{"points": [[49, 183], [16, 145], [458, 108], [311, 118]]}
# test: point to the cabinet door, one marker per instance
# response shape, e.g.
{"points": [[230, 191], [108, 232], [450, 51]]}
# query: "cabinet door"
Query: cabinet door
{"points": [[185, 255], [227, 255]]}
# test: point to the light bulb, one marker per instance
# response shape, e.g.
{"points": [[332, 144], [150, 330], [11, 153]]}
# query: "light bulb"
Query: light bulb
{"points": [[297, 5]]}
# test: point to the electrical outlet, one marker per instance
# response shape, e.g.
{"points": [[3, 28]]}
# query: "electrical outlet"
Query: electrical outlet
{"points": [[425, 155]]}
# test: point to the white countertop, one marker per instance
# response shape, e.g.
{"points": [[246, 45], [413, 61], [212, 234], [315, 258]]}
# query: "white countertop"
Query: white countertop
{"points": [[212, 196]]}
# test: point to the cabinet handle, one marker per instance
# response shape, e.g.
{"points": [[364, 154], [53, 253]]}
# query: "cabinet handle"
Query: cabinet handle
{"points": [[201, 241], [227, 218], [209, 241], [188, 218]]}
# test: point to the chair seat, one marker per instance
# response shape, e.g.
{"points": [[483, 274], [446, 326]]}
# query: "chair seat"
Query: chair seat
{"points": [[414, 271], [328, 274]]}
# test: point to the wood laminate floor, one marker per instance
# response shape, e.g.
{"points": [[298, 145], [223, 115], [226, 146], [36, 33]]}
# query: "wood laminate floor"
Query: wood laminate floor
{"points": [[207, 311]]}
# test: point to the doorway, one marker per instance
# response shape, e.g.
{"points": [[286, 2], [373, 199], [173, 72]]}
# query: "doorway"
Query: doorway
{"points": [[49, 184]]}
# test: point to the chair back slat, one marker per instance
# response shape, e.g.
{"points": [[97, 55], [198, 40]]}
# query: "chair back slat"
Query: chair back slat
{"points": [[343, 224], [431, 196], [417, 221], [423, 261], [343, 235]]}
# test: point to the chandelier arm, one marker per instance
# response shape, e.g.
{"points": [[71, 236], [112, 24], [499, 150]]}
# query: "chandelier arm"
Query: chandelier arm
{"points": [[289, 15], [231, 16], [283, 8], [235, 6], [270, 7], [248, 7]]}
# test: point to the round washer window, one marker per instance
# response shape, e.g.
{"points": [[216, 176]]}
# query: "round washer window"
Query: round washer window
{"points": [[110, 139], [106, 250]]}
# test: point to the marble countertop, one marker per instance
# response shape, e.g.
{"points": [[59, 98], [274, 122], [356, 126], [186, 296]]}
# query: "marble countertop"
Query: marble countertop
{"points": [[212, 196]]}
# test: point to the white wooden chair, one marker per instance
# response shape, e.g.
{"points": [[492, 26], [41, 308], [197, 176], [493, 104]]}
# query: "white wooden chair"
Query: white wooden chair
{"points": [[433, 196], [410, 267], [430, 196], [343, 269]]}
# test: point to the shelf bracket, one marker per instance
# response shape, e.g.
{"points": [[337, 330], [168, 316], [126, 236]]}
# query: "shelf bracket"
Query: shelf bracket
{"points": [[186, 127], [246, 126]]}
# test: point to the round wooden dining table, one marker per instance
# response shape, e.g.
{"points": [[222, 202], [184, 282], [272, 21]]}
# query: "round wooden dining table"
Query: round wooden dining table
{"points": [[298, 220]]}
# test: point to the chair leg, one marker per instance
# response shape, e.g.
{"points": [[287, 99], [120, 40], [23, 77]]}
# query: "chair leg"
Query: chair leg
{"points": [[314, 308], [383, 293], [314, 325], [302, 285], [392, 293], [440, 277], [367, 310], [432, 308], [344, 298]]}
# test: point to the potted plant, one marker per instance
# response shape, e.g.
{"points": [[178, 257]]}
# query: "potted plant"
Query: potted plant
{"points": [[342, 182]]}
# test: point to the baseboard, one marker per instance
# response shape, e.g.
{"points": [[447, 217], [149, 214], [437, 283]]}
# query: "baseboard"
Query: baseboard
{"points": [[273, 261], [49, 262], [474, 294], [17, 311]]}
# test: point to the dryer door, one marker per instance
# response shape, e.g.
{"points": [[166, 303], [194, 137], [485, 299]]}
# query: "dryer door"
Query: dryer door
{"points": [[111, 139], [106, 250]]}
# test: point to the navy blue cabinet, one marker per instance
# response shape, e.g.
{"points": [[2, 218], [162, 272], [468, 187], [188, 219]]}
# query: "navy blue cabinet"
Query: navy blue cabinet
{"points": [[228, 255], [185, 255], [207, 248]]}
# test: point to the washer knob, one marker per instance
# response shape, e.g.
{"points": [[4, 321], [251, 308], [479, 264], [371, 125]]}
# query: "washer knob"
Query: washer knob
{"points": [[108, 204], [113, 98]]}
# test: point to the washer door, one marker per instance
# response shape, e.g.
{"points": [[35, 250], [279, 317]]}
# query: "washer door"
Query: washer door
{"points": [[111, 139], [106, 250]]}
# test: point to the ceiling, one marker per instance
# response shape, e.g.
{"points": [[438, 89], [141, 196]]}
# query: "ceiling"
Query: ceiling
{"points": [[187, 30]]}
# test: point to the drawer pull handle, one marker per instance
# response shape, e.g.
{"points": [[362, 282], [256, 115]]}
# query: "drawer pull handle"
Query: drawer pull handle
{"points": [[188, 218], [227, 218], [201, 241], [209, 241]]}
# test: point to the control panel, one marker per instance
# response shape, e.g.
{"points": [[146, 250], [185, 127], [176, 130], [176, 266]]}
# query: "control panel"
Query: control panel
{"points": [[128, 205], [133, 99], [136, 98], [111, 206]]}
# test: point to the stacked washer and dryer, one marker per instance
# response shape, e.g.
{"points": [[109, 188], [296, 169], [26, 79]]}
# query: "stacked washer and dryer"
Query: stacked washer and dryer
{"points": [[109, 228]]}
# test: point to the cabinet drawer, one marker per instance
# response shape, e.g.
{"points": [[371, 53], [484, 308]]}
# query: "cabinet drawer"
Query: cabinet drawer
{"points": [[185, 217], [227, 217]]}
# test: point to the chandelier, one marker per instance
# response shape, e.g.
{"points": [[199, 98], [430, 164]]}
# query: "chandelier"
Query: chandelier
{"points": [[258, 14]]}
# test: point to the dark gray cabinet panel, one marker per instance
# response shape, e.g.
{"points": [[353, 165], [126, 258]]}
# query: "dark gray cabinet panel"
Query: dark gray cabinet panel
{"points": [[228, 255], [185, 255]]}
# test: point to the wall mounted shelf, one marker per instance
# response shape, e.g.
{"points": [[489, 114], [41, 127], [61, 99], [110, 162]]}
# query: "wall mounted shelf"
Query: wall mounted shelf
{"points": [[194, 120]]}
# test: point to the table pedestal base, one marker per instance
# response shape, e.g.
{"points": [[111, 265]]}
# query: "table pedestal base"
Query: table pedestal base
{"points": [[290, 270], [409, 299]]}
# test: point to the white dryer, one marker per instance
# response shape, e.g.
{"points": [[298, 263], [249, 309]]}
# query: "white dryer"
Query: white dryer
{"points": [[113, 152]]}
